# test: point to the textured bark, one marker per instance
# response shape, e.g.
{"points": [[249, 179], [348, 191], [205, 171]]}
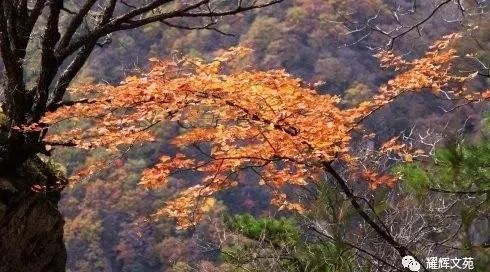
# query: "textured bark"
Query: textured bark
{"points": [[31, 232]]}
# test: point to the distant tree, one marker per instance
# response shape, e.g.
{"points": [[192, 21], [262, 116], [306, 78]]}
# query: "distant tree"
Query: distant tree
{"points": [[59, 36], [281, 244], [453, 189]]}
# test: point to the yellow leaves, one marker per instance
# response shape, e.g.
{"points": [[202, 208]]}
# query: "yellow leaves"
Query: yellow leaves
{"points": [[208, 205], [408, 158]]}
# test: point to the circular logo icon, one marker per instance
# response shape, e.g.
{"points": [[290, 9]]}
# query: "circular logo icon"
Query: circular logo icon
{"points": [[410, 263]]}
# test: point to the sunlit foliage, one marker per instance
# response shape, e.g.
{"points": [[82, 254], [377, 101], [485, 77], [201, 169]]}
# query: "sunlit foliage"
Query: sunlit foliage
{"points": [[236, 119]]}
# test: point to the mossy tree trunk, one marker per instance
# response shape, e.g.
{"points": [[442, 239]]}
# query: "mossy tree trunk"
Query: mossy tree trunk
{"points": [[31, 230], [31, 227]]}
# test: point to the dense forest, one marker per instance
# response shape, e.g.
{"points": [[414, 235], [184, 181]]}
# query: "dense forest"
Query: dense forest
{"points": [[377, 138]]}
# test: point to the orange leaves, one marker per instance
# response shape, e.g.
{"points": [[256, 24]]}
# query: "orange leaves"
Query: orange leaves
{"points": [[375, 180], [185, 208], [477, 97], [195, 135], [213, 67], [290, 173], [486, 95], [104, 137], [85, 172], [189, 207], [388, 59], [280, 200], [392, 145], [267, 124], [444, 42], [157, 175], [404, 152], [432, 71]]}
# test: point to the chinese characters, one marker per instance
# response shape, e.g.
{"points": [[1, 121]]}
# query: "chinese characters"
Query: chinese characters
{"points": [[449, 263]]}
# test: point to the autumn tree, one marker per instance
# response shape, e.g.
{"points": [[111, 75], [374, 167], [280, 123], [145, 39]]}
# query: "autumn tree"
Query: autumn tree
{"points": [[238, 120], [59, 37], [284, 50]]}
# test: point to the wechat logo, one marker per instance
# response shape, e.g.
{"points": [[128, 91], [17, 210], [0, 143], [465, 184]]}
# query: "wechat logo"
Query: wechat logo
{"points": [[410, 263]]}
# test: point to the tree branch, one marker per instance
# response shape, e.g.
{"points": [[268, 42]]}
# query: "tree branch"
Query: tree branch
{"points": [[15, 95], [74, 24], [402, 250], [49, 63], [208, 26], [77, 63], [418, 24], [18, 18], [479, 192], [127, 21]]}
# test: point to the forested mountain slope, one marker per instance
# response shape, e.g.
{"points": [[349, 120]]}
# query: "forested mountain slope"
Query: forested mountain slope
{"points": [[107, 216]]}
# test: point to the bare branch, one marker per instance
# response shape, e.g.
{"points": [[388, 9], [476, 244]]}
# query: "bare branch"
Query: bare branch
{"points": [[49, 63], [127, 21], [208, 26], [417, 25], [75, 24], [86, 43], [402, 250]]}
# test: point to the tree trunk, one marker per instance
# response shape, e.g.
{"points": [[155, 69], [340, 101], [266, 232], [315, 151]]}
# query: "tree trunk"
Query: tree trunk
{"points": [[31, 231]]}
